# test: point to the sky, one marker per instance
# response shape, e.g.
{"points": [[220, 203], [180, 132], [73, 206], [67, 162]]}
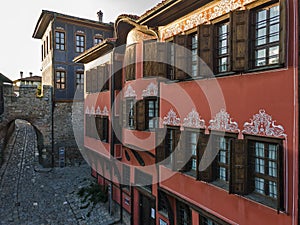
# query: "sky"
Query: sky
{"points": [[20, 52]]}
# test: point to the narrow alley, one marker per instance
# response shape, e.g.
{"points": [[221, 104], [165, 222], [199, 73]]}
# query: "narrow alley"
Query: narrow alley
{"points": [[32, 196]]}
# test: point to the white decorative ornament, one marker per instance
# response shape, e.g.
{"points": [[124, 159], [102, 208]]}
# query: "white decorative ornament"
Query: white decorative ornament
{"points": [[80, 32], [87, 110], [129, 92], [92, 110], [193, 120], [223, 122], [98, 111], [262, 124], [105, 112], [60, 28], [151, 90], [171, 119]]}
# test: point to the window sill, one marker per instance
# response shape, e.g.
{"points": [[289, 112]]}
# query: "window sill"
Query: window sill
{"points": [[264, 68], [264, 200], [221, 184]]}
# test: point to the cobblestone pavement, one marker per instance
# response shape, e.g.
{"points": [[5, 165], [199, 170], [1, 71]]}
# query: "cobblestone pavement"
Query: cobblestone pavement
{"points": [[33, 196]]}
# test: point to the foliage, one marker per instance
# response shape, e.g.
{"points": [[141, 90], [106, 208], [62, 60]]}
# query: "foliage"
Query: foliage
{"points": [[94, 193]]}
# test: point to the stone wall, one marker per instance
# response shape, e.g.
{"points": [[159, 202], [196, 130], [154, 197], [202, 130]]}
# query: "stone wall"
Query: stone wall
{"points": [[64, 137]]}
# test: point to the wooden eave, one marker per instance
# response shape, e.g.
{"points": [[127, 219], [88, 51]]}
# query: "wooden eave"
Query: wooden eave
{"points": [[168, 11], [46, 17], [95, 52], [4, 79]]}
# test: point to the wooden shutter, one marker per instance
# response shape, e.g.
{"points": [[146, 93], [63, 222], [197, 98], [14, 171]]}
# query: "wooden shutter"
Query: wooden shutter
{"points": [[124, 119], [160, 153], [280, 183], [283, 31], [240, 35], [160, 66], [140, 115], [94, 80], [205, 172], [238, 167], [149, 57], [180, 151], [100, 78], [130, 62], [206, 49], [181, 62], [98, 126]]}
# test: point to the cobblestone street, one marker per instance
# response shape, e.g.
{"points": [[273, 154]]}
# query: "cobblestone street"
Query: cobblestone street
{"points": [[34, 196]]}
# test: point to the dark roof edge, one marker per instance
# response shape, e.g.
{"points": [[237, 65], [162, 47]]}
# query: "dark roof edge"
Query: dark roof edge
{"points": [[47, 15], [5, 79], [96, 51]]}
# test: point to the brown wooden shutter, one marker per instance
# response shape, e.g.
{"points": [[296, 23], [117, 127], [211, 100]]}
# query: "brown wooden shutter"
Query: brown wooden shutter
{"points": [[283, 31], [149, 57], [240, 35], [181, 62], [206, 49], [161, 58], [100, 78], [94, 80], [124, 113], [160, 153], [130, 62], [205, 174], [238, 167], [180, 151], [140, 115], [176, 150], [280, 183]]}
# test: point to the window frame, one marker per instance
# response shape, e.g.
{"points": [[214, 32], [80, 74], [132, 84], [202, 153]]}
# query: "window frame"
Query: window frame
{"points": [[277, 203], [80, 84], [182, 207], [80, 45], [267, 45], [133, 116], [59, 41], [60, 83], [97, 40], [155, 116]]}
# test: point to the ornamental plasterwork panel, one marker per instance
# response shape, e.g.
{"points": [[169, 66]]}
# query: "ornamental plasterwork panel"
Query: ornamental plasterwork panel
{"points": [[98, 111], [193, 120], [151, 90], [87, 110], [223, 122], [92, 112], [59, 28], [202, 15], [105, 111], [80, 32], [262, 124], [171, 119], [129, 92]]}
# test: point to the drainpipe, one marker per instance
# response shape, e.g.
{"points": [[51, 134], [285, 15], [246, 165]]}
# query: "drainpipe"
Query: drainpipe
{"points": [[52, 89]]}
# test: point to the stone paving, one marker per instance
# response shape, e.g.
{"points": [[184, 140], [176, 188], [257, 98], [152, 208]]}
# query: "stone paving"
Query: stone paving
{"points": [[33, 196]]}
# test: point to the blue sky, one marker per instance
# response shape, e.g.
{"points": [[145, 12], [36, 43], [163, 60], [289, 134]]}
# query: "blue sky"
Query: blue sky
{"points": [[20, 52]]}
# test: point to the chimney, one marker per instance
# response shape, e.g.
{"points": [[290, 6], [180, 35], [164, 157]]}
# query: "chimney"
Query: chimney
{"points": [[100, 16], [21, 74], [30, 74]]}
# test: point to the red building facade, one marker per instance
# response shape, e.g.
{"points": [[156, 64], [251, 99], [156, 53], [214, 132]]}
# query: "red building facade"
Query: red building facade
{"points": [[191, 113]]}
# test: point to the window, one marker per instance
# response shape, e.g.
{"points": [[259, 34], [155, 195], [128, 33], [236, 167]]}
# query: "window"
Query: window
{"points": [[172, 140], [130, 109], [163, 203], [80, 43], [194, 51], [60, 80], [97, 40], [206, 218], [184, 215], [102, 128], [90, 126], [79, 80], [171, 61], [192, 144], [60, 40], [267, 32], [144, 180], [264, 162], [151, 113], [222, 48], [223, 146]]}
